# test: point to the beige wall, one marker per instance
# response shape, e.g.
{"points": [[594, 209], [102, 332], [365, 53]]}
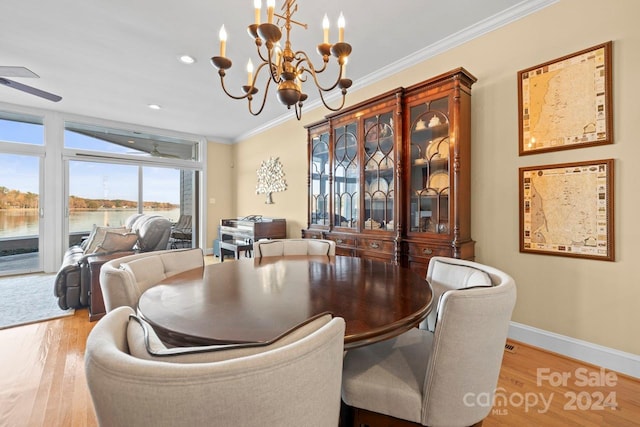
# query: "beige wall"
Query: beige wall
{"points": [[221, 188], [288, 143], [589, 300]]}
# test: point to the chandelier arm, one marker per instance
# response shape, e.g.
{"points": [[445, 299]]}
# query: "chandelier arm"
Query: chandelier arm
{"points": [[313, 72], [259, 69], [344, 97], [267, 60], [229, 94], [273, 68], [264, 98], [301, 57], [298, 109], [262, 58]]}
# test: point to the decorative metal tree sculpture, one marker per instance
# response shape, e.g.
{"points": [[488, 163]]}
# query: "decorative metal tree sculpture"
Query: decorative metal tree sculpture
{"points": [[270, 178]]}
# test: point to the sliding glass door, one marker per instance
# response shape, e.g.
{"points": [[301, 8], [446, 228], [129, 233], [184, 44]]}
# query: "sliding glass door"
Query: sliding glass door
{"points": [[100, 194], [161, 192], [21, 154], [107, 193], [172, 193], [19, 213], [114, 173]]}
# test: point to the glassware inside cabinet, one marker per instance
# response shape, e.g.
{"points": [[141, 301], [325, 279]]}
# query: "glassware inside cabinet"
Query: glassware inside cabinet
{"points": [[346, 183], [319, 168], [379, 172], [430, 152]]}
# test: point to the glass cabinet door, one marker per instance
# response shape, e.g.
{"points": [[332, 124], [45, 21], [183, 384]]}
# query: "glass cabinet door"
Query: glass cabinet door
{"points": [[379, 167], [430, 153], [319, 168], [346, 176]]}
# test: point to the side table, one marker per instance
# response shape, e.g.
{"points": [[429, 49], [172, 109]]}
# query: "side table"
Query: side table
{"points": [[96, 302]]}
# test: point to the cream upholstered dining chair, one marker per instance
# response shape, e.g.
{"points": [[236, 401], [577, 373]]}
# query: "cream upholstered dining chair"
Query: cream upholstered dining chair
{"points": [[123, 280], [441, 377], [293, 384], [445, 274], [283, 247]]}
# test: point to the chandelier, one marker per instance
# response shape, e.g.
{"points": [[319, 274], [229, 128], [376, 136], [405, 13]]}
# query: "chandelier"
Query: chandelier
{"points": [[282, 66]]}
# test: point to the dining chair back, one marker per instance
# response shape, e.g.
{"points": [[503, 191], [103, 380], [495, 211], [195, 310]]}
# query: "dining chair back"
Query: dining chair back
{"points": [[445, 275], [284, 247], [447, 376], [295, 384]]}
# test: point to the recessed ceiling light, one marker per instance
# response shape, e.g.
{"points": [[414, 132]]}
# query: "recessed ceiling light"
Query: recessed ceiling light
{"points": [[187, 59], [154, 106]]}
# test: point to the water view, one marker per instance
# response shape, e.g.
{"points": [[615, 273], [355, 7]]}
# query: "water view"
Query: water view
{"points": [[24, 222]]}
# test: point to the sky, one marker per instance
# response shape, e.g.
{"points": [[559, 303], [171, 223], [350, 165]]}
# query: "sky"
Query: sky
{"points": [[92, 180]]}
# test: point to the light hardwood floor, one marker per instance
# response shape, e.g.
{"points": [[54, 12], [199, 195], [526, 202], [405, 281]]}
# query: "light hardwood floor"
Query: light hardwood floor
{"points": [[42, 383]]}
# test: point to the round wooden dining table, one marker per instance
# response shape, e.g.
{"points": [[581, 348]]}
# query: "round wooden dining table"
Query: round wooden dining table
{"points": [[261, 299]]}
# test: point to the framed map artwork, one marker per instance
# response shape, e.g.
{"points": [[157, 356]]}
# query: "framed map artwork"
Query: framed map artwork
{"points": [[566, 103], [567, 209]]}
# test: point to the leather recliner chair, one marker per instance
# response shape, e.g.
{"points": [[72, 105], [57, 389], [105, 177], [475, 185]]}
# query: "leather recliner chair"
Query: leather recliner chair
{"points": [[73, 280]]}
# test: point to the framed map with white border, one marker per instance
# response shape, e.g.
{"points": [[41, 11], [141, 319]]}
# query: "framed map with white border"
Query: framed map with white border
{"points": [[567, 209], [566, 103]]}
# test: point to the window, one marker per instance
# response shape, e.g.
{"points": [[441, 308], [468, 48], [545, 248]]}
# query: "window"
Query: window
{"points": [[138, 176], [118, 141], [91, 174], [100, 194], [21, 128], [21, 154]]}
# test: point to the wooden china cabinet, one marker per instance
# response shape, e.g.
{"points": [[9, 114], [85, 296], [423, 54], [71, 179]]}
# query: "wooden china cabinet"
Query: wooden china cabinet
{"points": [[389, 178]]}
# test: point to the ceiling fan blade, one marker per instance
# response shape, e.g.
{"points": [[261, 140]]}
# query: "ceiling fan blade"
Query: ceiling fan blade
{"points": [[156, 153], [153, 153], [168, 156], [31, 90], [7, 71]]}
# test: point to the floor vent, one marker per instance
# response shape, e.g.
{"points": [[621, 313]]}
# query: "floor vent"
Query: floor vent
{"points": [[510, 348]]}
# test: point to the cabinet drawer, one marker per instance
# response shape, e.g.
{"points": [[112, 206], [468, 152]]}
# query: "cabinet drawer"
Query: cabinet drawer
{"points": [[347, 241], [375, 245], [311, 234], [345, 251], [376, 256], [425, 250]]}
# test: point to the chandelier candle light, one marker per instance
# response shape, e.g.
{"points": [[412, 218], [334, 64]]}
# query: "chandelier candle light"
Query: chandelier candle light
{"points": [[284, 67]]}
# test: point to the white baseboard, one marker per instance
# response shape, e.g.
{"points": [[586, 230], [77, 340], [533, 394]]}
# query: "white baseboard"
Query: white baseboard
{"points": [[609, 358]]}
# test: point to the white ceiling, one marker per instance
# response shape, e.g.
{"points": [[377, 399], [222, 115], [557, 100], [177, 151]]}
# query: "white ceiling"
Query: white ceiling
{"points": [[111, 58]]}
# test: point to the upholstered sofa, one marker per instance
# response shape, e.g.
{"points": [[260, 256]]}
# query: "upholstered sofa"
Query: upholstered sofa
{"points": [[141, 233]]}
